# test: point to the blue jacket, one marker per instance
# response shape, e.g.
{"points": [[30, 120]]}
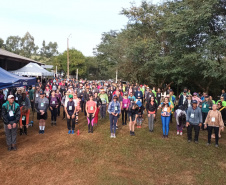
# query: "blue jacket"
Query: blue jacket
{"points": [[194, 116], [114, 107], [138, 94]]}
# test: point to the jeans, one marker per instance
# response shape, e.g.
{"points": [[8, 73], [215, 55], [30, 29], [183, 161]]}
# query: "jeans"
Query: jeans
{"points": [[71, 123], [165, 124], [103, 111], [151, 122], [189, 131], [53, 114], [124, 111], [113, 121], [216, 131]]}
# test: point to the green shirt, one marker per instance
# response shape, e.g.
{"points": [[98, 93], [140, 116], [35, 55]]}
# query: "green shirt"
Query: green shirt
{"points": [[223, 103]]}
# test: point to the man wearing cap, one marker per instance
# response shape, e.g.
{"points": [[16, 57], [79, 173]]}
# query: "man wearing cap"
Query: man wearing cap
{"points": [[193, 120], [23, 100], [11, 116], [104, 102], [41, 106]]}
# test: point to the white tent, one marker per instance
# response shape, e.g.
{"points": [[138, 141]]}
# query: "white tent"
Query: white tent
{"points": [[32, 69]]}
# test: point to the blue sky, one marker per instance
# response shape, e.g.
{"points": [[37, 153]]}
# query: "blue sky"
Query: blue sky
{"points": [[55, 20]]}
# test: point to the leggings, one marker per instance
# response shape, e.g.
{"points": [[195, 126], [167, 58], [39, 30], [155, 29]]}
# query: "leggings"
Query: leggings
{"points": [[53, 114], [151, 122], [71, 123], [90, 121], [165, 124], [124, 111]]}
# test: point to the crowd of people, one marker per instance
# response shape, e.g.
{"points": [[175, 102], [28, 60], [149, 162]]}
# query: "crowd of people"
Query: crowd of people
{"points": [[121, 100]]}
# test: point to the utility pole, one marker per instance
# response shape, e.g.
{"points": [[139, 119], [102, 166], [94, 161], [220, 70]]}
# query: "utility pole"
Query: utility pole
{"points": [[68, 56], [116, 75]]}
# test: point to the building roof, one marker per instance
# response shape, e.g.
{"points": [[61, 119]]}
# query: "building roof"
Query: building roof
{"points": [[8, 54], [47, 66]]}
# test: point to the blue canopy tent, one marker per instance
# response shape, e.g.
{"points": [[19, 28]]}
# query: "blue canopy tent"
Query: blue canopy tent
{"points": [[8, 79]]}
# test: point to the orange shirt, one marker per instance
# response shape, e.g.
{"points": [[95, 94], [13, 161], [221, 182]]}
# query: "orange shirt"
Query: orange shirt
{"points": [[91, 106], [27, 116]]}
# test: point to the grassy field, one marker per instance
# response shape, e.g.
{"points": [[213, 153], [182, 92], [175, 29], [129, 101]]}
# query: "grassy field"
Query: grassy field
{"points": [[59, 158]]}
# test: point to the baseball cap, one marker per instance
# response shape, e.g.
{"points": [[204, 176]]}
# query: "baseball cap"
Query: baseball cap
{"points": [[194, 94], [10, 96], [194, 102], [70, 96], [41, 92]]}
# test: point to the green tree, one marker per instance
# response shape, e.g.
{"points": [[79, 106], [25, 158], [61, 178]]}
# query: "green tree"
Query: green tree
{"points": [[76, 59], [1, 43]]}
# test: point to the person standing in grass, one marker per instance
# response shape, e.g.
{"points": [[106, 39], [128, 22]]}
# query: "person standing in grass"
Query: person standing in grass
{"points": [[166, 107], [193, 120], [11, 116], [41, 106], [214, 121], [151, 108], [70, 110], [133, 113], [124, 108], [54, 103], [206, 106], [98, 103], [113, 110], [91, 108], [104, 99]]}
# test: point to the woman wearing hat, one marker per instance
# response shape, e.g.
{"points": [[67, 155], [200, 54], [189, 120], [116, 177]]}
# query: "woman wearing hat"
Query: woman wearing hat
{"points": [[205, 106], [24, 119], [104, 99], [114, 110], [195, 97], [41, 106]]}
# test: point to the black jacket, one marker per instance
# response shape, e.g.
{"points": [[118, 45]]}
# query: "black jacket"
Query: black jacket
{"points": [[150, 107]]}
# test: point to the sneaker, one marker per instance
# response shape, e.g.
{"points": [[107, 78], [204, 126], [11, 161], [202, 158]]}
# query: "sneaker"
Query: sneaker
{"points": [[125, 123], [114, 136], [181, 133], [69, 131], [163, 136], [117, 127], [178, 132], [72, 132], [131, 133], [196, 142], [111, 136], [216, 146], [207, 144], [189, 141], [43, 131], [9, 148], [40, 131]]}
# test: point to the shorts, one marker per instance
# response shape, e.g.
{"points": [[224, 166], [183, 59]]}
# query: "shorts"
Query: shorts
{"points": [[133, 116], [44, 116]]}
